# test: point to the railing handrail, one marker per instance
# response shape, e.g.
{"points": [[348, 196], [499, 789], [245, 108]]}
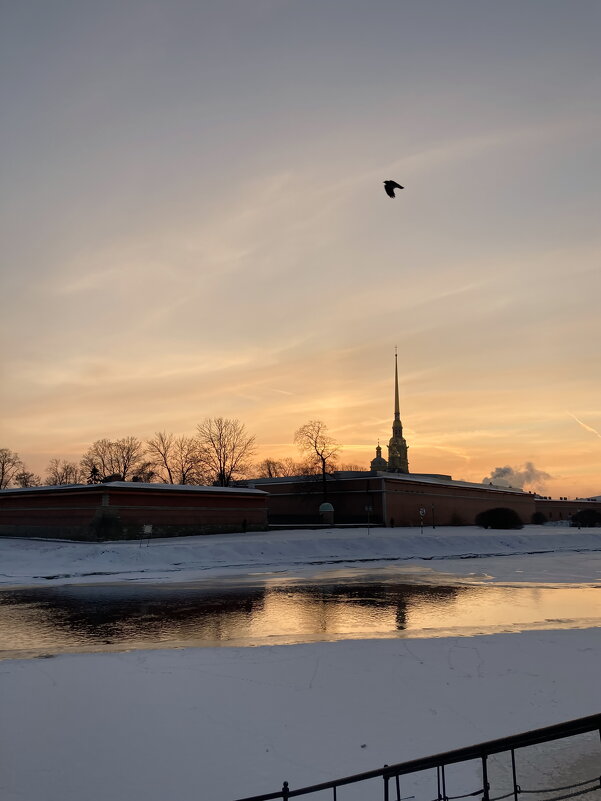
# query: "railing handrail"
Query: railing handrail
{"points": [[534, 737]]}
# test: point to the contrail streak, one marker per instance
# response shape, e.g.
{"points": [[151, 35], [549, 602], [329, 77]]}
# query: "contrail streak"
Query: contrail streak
{"points": [[584, 425]]}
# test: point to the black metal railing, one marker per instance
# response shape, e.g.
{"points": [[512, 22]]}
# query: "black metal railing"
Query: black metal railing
{"points": [[390, 774]]}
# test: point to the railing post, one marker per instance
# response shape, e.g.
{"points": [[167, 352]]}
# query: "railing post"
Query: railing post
{"points": [[516, 787], [285, 791], [485, 784], [386, 780]]}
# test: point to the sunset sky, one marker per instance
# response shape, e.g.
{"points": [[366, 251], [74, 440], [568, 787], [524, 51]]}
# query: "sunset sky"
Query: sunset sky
{"points": [[194, 224]]}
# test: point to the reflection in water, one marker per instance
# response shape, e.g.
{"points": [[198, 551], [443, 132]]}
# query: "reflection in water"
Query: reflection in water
{"points": [[98, 617]]}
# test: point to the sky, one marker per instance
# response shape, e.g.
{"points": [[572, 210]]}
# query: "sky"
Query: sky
{"points": [[193, 225]]}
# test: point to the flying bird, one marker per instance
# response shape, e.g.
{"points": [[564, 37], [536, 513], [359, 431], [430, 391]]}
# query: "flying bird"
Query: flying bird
{"points": [[390, 186]]}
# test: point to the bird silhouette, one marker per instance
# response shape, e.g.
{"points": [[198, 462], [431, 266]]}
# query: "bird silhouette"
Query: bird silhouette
{"points": [[390, 186]]}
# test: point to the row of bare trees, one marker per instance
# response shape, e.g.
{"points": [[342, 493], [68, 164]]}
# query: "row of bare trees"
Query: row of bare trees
{"points": [[220, 453]]}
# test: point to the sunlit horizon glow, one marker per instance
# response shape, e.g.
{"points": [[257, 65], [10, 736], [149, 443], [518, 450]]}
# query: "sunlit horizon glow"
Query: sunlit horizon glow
{"points": [[194, 225]]}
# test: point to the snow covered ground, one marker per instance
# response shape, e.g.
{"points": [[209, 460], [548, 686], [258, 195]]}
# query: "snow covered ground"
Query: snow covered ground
{"points": [[308, 552], [222, 723]]}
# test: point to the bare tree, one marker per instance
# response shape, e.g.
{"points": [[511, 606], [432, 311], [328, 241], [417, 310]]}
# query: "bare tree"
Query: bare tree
{"points": [[269, 468], [351, 466], [159, 451], [292, 467], [321, 449], [175, 459], [120, 457], [307, 467], [128, 456], [224, 450], [145, 473], [280, 468], [60, 471], [26, 479], [10, 465], [98, 459]]}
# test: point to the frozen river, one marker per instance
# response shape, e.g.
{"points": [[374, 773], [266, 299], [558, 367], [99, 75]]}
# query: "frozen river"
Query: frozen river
{"points": [[368, 677], [279, 610]]}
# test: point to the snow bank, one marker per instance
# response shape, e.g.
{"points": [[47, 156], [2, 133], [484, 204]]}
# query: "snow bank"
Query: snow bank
{"points": [[218, 724], [44, 562]]}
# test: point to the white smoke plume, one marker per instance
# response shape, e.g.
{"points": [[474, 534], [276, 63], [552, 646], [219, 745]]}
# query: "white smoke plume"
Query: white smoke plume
{"points": [[517, 477]]}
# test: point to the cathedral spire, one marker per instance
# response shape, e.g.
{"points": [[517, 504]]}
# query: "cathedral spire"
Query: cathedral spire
{"points": [[397, 410], [397, 447]]}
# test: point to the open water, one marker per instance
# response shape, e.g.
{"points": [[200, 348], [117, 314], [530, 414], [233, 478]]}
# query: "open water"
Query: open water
{"points": [[271, 611]]}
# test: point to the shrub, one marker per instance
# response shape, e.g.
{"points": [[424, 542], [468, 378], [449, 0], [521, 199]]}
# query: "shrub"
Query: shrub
{"points": [[539, 518], [499, 518], [589, 518]]}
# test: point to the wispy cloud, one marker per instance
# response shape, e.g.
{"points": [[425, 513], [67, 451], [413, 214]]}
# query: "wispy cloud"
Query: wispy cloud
{"points": [[585, 426]]}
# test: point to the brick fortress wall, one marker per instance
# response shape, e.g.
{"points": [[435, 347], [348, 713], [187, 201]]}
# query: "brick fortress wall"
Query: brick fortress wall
{"points": [[122, 511]]}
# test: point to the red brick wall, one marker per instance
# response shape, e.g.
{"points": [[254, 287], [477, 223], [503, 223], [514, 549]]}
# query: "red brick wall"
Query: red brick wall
{"points": [[454, 504], [109, 512], [449, 504], [298, 502], [556, 510]]}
